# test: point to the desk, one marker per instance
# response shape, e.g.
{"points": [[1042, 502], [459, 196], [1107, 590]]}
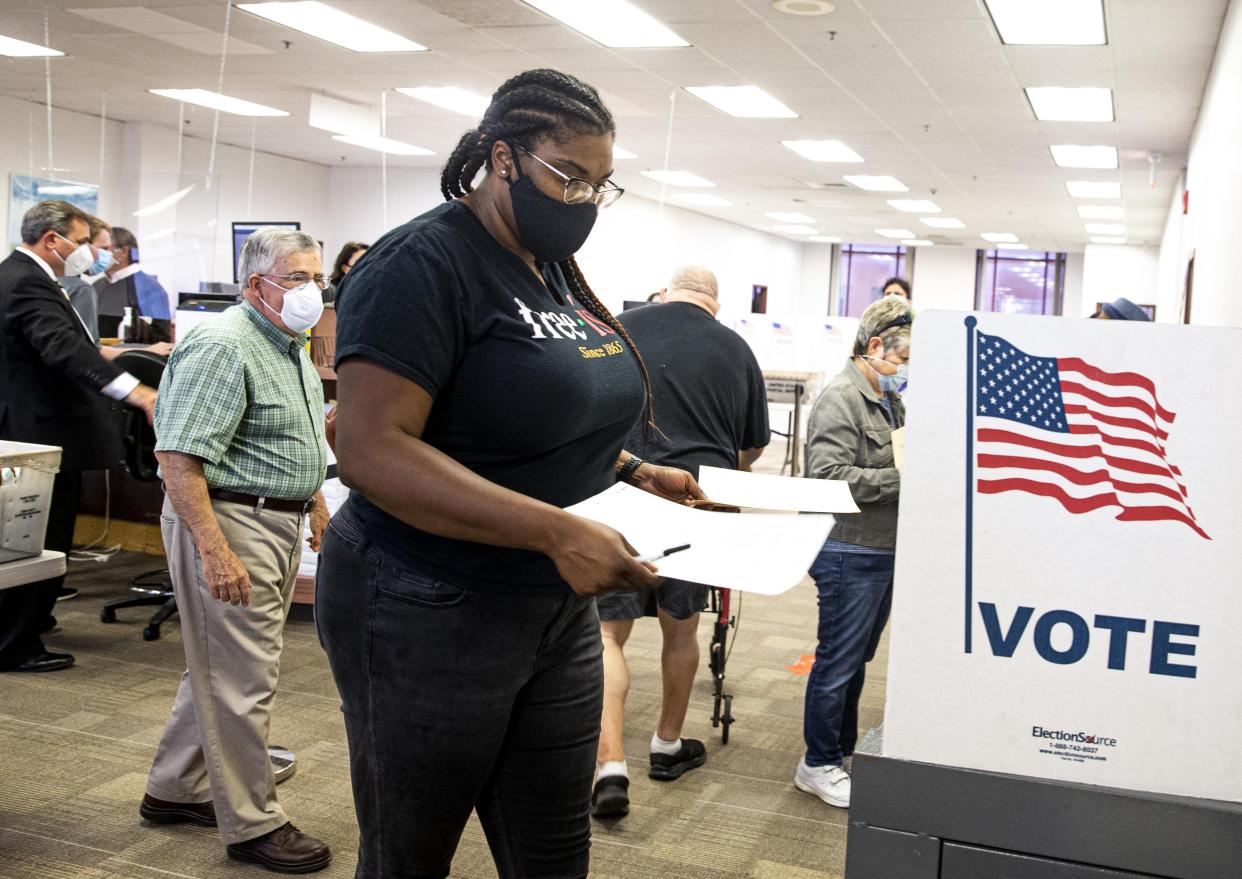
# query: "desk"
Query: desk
{"points": [[41, 567]]}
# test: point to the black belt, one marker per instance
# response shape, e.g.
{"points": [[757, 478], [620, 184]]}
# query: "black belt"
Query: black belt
{"points": [[262, 503]]}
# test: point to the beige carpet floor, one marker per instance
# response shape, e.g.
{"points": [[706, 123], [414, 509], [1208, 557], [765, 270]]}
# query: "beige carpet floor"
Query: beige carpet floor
{"points": [[75, 747]]}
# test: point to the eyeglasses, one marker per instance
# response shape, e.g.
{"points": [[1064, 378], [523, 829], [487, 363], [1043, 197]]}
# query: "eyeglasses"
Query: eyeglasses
{"points": [[579, 191], [300, 278]]}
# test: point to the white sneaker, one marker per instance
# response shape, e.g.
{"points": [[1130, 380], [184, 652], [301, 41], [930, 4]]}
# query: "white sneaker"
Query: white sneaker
{"points": [[830, 783]]}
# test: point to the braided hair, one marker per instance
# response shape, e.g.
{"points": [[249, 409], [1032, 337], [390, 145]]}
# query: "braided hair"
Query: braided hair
{"points": [[531, 105]]}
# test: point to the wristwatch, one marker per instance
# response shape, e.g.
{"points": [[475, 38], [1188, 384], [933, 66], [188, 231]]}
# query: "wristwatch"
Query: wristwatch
{"points": [[626, 471]]}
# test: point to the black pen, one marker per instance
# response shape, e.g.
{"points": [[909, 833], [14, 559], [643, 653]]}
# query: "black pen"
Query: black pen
{"points": [[646, 559]]}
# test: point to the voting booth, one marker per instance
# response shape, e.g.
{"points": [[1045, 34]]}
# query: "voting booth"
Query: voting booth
{"points": [[1063, 688]]}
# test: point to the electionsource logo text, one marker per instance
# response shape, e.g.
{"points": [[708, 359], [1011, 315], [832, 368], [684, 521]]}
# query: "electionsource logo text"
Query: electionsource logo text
{"points": [[1062, 735]]}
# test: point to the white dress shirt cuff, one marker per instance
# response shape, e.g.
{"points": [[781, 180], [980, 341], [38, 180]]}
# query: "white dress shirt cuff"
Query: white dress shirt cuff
{"points": [[120, 387]]}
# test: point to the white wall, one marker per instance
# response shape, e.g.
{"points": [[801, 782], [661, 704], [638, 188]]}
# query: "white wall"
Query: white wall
{"points": [[1174, 254], [201, 247], [815, 295], [632, 251], [190, 241], [944, 278], [76, 147], [1071, 298], [357, 204], [635, 247], [1113, 270], [1214, 179]]}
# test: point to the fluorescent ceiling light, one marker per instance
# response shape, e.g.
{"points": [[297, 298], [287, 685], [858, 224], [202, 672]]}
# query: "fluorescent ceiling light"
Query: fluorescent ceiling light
{"points": [[622, 153], [795, 230], [1073, 156], [916, 242], [217, 101], [743, 101], [15, 48], [822, 150], [383, 144], [895, 233], [942, 222], [999, 237], [1105, 228], [789, 217], [914, 205], [1093, 188], [678, 178], [451, 97], [825, 239], [1100, 212], [617, 24], [164, 203], [1107, 239], [333, 26], [1049, 22], [1071, 105], [701, 199], [876, 183]]}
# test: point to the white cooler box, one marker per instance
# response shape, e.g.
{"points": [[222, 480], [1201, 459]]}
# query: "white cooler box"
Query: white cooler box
{"points": [[27, 472]]}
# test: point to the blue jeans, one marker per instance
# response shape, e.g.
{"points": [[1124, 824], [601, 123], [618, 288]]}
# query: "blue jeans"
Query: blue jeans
{"points": [[855, 596], [458, 700]]}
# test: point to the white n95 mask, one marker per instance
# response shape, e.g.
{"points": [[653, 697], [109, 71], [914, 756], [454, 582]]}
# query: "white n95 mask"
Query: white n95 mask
{"points": [[79, 261], [302, 308]]}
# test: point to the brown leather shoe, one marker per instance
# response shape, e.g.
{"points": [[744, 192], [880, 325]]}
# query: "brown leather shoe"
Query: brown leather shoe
{"points": [[159, 811], [285, 850]]}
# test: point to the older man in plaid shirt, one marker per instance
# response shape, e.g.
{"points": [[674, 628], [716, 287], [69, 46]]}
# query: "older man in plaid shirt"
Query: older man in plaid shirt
{"points": [[239, 426]]}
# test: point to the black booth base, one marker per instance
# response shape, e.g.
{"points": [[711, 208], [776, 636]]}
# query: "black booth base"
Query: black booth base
{"points": [[921, 821]]}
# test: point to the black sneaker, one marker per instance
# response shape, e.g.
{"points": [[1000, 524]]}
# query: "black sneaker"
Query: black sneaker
{"points": [[666, 767], [65, 593], [611, 798]]}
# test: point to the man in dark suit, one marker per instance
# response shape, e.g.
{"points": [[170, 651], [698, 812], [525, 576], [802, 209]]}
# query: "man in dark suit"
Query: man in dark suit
{"points": [[54, 388]]}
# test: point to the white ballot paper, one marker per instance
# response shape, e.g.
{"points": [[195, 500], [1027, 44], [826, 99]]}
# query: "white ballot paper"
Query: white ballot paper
{"points": [[764, 492], [768, 553]]}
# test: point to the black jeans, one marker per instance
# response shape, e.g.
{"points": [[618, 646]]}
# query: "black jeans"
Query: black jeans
{"points": [[457, 700]]}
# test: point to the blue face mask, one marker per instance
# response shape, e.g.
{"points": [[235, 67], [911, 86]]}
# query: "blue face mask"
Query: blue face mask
{"points": [[103, 261], [895, 382]]}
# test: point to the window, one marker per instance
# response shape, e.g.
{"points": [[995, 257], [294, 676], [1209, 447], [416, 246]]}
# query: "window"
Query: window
{"points": [[1020, 281], [863, 270]]}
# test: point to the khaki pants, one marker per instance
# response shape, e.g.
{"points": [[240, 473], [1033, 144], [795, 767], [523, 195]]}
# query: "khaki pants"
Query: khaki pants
{"points": [[215, 743]]}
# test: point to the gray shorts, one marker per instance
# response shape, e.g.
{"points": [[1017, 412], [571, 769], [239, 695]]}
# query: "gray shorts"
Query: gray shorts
{"points": [[679, 599]]}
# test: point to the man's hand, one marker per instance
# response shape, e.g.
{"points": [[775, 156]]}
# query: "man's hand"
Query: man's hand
{"points": [[226, 576], [163, 349], [669, 483], [318, 522], [143, 397]]}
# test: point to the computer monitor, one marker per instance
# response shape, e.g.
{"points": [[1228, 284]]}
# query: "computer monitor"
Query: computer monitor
{"points": [[242, 231]]}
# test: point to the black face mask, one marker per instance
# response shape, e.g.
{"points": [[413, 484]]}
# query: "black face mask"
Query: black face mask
{"points": [[550, 229]]}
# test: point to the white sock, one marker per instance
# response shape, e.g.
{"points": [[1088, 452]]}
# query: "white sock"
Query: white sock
{"points": [[612, 767], [659, 746]]}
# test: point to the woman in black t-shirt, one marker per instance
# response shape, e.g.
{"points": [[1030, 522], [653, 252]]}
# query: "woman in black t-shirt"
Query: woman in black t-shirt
{"points": [[482, 388]]}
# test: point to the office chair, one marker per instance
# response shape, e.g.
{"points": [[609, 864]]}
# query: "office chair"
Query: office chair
{"points": [[153, 588]]}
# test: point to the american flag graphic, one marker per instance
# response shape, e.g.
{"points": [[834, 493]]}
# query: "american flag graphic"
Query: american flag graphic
{"points": [[1062, 428]]}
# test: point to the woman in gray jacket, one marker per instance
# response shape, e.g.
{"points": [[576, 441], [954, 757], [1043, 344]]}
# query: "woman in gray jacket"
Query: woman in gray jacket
{"points": [[850, 438]]}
